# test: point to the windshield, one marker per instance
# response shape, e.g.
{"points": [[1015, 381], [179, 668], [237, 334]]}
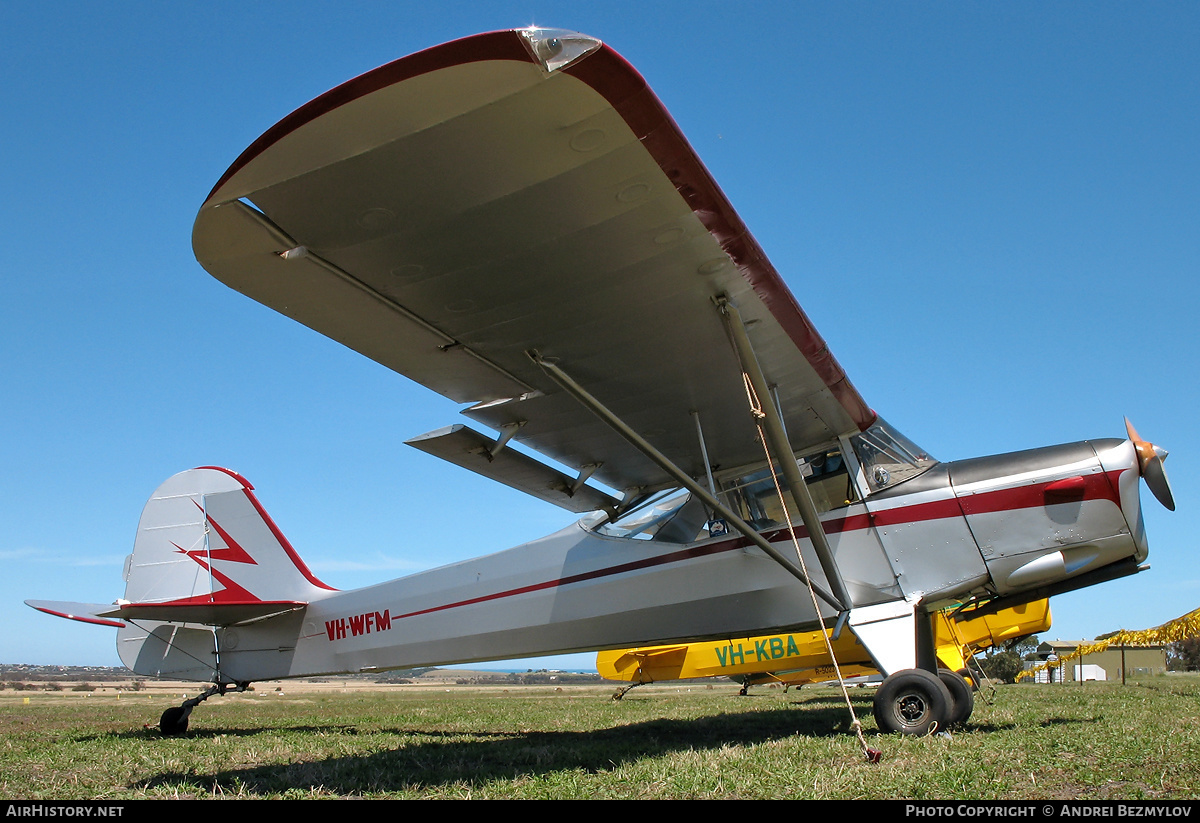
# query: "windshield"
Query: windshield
{"points": [[672, 516], [888, 457]]}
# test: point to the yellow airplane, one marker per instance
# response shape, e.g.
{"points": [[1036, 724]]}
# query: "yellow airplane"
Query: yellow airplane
{"points": [[803, 657]]}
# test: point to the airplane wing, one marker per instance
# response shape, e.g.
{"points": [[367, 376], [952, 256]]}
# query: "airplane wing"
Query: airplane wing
{"points": [[518, 191]]}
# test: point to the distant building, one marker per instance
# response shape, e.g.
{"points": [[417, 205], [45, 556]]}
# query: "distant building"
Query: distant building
{"points": [[1111, 664]]}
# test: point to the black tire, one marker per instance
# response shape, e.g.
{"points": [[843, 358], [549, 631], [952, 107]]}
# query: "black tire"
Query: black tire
{"points": [[912, 701], [174, 722], [961, 696]]}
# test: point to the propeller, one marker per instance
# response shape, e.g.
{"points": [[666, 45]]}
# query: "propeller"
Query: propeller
{"points": [[1150, 465]]}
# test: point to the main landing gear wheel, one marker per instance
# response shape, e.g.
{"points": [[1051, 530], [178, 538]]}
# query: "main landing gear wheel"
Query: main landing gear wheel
{"points": [[912, 701], [962, 699]]}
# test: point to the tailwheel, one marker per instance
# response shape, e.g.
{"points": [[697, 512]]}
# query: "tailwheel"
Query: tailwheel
{"points": [[620, 693], [962, 698], [912, 701], [174, 721]]}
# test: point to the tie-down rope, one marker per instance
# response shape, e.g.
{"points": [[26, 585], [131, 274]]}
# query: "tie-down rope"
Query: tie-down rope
{"points": [[871, 754]]}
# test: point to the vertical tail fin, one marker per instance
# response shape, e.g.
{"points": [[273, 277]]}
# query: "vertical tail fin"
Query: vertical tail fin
{"points": [[205, 539], [206, 557]]}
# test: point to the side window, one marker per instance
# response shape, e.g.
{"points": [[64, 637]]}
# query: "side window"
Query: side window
{"points": [[754, 496], [828, 479]]}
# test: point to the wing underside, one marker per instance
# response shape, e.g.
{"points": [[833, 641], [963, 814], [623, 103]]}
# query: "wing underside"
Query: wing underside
{"points": [[449, 213]]}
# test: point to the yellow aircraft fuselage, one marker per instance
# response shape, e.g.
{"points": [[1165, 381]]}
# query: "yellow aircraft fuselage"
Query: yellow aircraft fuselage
{"points": [[803, 657]]}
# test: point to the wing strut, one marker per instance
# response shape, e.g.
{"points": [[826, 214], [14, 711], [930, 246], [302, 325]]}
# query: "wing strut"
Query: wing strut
{"points": [[712, 487], [782, 452], [597, 408]]}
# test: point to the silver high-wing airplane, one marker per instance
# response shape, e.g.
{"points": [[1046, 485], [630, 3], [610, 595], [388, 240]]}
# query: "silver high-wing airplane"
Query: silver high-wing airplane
{"points": [[514, 221]]}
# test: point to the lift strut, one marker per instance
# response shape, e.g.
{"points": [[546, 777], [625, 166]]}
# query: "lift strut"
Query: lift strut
{"points": [[568, 384]]}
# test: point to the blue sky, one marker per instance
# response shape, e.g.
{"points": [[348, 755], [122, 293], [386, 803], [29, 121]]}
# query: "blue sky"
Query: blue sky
{"points": [[990, 210]]}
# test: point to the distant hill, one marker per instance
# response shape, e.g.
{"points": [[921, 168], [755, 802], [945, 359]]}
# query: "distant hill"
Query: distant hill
{"points": [[20, 672], [12, 674]]}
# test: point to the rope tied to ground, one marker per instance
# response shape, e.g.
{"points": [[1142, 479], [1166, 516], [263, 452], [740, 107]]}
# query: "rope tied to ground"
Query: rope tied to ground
{"points": [[872, 755]]}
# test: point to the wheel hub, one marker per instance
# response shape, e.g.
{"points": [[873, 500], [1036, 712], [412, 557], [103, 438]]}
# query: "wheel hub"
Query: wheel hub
{"points": [[911, 708]]}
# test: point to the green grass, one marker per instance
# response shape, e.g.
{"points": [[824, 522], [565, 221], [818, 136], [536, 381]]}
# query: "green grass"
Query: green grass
{"points": [[1092, 741]]}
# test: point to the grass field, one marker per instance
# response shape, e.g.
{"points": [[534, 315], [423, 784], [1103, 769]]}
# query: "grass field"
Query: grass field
{"points": [[1090, 741]]}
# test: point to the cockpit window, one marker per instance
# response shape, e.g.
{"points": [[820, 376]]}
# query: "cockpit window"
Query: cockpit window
{"points": [[888, 457], [672, 516], [675, 516]]}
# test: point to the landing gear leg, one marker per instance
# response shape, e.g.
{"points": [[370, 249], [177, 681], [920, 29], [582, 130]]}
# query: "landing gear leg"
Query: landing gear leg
{"points": [[174, 721], [619, 693]]}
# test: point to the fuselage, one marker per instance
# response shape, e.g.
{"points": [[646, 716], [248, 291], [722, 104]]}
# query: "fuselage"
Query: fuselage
{"points": [[999, 527]]}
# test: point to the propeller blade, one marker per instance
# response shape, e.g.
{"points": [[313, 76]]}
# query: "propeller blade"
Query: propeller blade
{"points": [[1150, 466], [1134, 437], [1156, 480]]}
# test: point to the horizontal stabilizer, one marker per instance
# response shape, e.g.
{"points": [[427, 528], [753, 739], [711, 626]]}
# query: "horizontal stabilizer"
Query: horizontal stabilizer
{"points": [[657, 652], [642, 665], [83, 612], [207, 614], [466, 447]]}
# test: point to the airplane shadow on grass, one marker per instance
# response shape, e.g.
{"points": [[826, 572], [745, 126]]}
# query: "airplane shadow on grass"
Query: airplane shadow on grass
{"points": [[431, 758], [435, 757]]}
